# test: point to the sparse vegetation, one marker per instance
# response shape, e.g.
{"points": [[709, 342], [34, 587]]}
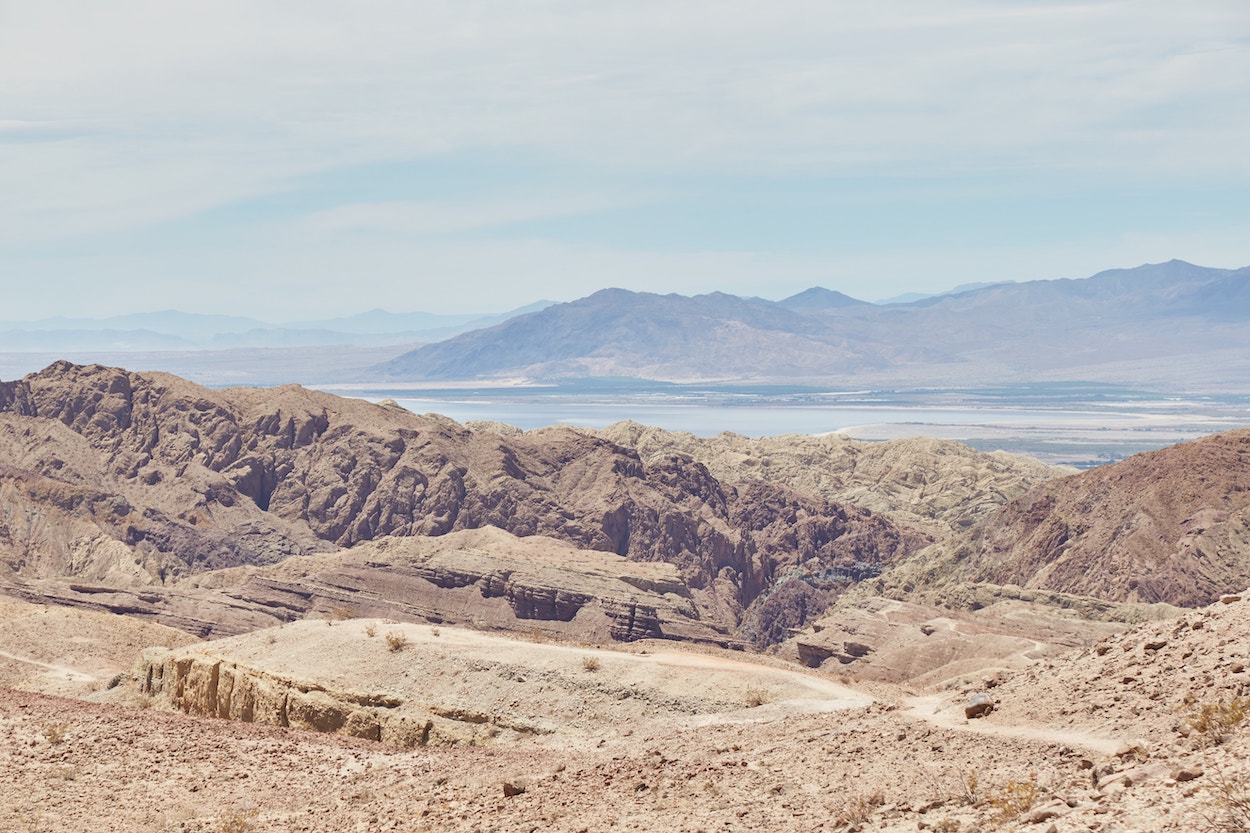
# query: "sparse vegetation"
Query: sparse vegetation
{"points": [[55, 733], [1014, 799], [239, 820], [435, 632], [1217, 721], [371, 630], [1231, 799], [590, 663], [397, 640], [970, 784], [757, 697], [857, 809], [341, 612]]}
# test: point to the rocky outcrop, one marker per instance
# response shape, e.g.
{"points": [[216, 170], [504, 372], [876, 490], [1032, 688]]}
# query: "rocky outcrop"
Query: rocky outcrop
{"points": [[935, 485], [175, 479], [902, 642], [198, 683], [484, 578], [1169, 526]]}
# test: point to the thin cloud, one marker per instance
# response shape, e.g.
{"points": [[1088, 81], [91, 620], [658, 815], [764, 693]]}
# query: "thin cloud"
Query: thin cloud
{"points": [[127, 115], [440, 218]]}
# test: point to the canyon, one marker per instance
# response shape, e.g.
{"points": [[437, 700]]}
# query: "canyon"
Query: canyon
{"points": [[465, 626]]}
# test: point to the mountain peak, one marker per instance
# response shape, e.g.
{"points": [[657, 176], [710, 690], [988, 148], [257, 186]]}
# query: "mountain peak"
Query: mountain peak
{"points": [[818, 298]]}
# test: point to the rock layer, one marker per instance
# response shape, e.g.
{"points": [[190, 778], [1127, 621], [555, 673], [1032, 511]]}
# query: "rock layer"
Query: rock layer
{"points": [[934, 485], [1168, 526], [131, 479]]}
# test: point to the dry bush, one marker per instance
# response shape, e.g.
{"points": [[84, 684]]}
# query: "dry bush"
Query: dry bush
{"points": [[857, 809], [55, 733], [1219, 720], [1229, 789], [396, 640], [757, 697], [240, 820], [970, 787], [1231, 799], [1014, 799], [590, 663], [341, 612], [371, 629]]}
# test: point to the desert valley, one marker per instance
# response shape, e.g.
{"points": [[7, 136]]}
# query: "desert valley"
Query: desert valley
{"points": [[687, 415], [232, 608]]}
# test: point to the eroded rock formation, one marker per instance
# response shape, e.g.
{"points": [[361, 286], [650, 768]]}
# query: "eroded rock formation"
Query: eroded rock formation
{"points": [[144, 479], [1170, 526]]}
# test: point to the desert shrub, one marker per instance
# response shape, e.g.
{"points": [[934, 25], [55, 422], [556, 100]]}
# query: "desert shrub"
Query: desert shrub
{"points": [[970, 785], [371, 629], [857, 809], [1229, 789], [55, 733], [341, 612], [1014, 799], [241, 820], [1230, 800], [757, 697], [1219, 720], [396, 640], [590, 663]]}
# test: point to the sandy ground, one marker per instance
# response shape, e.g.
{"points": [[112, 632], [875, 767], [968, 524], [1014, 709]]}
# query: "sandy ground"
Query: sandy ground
{"points": [[681, 753]]}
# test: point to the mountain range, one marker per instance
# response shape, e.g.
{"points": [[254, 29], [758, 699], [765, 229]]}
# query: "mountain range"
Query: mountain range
{"points": [[1171, 325], [176, 330]]}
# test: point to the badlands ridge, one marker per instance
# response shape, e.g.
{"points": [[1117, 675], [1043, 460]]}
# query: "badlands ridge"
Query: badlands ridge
{"points": [[580, 630]]}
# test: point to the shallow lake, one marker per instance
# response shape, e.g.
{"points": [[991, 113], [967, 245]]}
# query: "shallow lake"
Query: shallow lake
{"points": [[1073, 430]]}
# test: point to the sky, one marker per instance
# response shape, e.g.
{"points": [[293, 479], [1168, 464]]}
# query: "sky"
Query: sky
{"points": [[291, 160]]}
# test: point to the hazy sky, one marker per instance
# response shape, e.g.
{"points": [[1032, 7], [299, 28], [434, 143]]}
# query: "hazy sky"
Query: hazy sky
{"points": [[309, 158]]}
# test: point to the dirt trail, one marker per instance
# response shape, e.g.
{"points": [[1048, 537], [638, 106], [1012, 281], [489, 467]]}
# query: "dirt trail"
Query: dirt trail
{"points": [[931, 709], [70, 673], [826, 690]]}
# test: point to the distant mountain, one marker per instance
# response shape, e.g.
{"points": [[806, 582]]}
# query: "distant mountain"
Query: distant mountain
{"points": [[819, 298], [36, 341], [909, 297], [380, 321], [173, 330], [1164, 324], [615, 332], [187, 327]]}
